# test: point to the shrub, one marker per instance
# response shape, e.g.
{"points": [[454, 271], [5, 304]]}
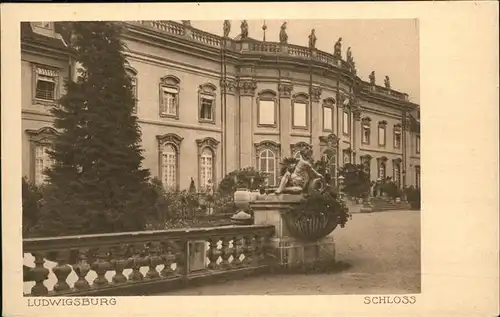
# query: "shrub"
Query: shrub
{"points": [[356, 180], [413, 197], [247, 177]]}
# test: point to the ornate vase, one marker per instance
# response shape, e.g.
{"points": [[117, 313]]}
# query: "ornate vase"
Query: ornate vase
{"points": [[310, 227], [242, 198]]}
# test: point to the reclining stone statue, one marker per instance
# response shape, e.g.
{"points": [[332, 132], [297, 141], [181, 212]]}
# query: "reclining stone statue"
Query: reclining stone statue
{"points": [[303, 178]]}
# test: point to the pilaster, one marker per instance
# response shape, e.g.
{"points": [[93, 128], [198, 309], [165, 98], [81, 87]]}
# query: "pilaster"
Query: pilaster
{"points": [[285, 89], [246, 90], [316, 116], [231, 124]]}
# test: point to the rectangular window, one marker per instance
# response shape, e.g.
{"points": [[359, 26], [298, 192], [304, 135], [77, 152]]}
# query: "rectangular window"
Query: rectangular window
{"points": [[417, 176], [397, 139], [418, 144], [169, 102], [299, 114], [206, 108], [366, 135], [133, 82], [345, 123], [327, 119], [45, 84], [42, 162], [267, 112], [381, 136]]}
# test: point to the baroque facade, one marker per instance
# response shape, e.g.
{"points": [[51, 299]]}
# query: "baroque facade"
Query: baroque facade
{"points": [[208, 105]]}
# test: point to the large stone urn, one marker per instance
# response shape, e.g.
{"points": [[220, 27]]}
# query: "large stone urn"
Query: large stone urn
{"points": [[242, 198]]}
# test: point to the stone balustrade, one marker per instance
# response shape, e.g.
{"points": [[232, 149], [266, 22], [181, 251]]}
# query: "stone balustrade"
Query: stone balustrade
{"points": [[254, 46], [147, 261]]}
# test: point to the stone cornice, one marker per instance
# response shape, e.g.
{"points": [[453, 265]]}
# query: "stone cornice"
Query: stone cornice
{"points": [[189, 40]]}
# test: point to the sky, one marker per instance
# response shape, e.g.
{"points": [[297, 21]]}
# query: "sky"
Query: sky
{"points": [[389, 47]]}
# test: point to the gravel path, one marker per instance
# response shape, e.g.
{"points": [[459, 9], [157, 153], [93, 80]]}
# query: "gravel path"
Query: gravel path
{"points": [[382, 248]]}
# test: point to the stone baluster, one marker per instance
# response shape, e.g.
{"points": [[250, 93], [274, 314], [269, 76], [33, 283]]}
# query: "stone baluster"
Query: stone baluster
{"points": [[226, 253], [153, 260], [181, 256], [249, 249], [259, 249], [136, 263], [40, 274], [238, 251], [101, 265], [82, 268], [168, 258], [61, 271], [119, 263], [212, 253]]}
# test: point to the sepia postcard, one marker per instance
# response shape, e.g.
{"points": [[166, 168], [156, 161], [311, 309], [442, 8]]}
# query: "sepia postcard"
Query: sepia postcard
{"points": [[342, 153]]}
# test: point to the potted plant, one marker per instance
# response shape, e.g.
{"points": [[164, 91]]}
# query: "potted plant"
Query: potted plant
{"points": [[316, 215]]}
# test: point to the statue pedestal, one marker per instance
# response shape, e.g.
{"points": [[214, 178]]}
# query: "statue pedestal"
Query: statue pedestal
{"points": [[289, 251]]}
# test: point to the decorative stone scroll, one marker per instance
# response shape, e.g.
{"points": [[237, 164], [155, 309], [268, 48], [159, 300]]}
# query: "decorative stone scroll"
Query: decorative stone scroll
{"points": [[228, 86], [316, 93], [285, 90], [331, 141], [247, 87]]}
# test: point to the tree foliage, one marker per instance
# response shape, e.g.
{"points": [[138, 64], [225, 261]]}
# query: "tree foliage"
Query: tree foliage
{"points": [[356, 180], [97, 183], [248, 177]]}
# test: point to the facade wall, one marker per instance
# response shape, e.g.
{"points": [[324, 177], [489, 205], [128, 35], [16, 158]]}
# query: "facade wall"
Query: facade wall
{"points": [[243, 139]]}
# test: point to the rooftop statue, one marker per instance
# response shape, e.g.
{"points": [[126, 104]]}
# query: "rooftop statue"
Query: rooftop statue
{"points": [[303, 177], [186, 22], [244, 29], [387, 82], [283, 35], [338, 48], [372, 78], [349, 58], [226, 28], [312, 39]]}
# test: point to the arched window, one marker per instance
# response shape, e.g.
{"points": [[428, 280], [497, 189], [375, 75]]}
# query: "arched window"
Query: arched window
{"points": [[40, 141], [206, 167], [169, 166], [382, 167], [267, 164]]}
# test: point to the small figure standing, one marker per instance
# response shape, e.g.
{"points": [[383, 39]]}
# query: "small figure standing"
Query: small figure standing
{"points": [[283, 35], [387, 82], [337, 52], [372, 78], [227, 28], [312, 40], [244, 29]]}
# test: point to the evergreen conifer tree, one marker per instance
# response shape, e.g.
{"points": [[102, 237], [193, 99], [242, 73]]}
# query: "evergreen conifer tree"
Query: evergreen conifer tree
{"points": [[97, 183]]}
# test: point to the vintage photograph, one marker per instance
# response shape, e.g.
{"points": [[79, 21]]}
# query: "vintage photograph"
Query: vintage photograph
{"points": [[230, 157]]}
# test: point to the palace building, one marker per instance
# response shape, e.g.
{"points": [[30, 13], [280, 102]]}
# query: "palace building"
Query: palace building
{"points": [[208, 105]]}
